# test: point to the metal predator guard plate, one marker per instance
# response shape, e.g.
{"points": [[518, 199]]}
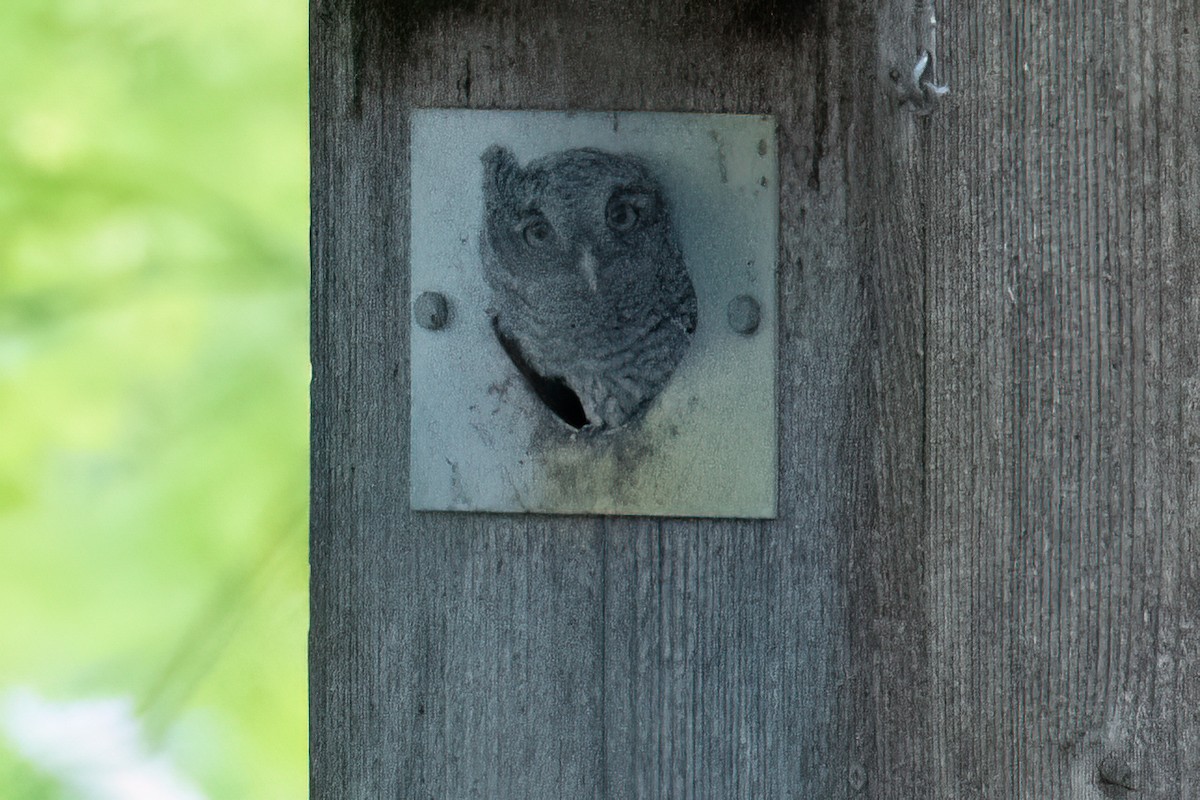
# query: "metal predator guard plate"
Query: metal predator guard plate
{"points": [[481, 440]]}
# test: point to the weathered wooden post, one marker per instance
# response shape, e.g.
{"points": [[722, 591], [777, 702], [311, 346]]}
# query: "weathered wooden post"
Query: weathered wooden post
{"points": [[981, 578]]}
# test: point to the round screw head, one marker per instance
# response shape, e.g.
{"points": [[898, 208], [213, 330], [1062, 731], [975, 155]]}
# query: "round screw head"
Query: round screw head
{"points": [[431, 311], [744, 314]]}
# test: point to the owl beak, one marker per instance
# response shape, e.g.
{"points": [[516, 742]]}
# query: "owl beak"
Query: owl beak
{"points": [[587, 268]]}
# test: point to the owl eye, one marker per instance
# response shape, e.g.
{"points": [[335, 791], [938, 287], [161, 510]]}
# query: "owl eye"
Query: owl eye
{"points": [[622, 214], [536, 232]]}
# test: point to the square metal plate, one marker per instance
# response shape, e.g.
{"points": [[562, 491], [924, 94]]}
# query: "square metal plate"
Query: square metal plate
{"points": [[482, 441]]}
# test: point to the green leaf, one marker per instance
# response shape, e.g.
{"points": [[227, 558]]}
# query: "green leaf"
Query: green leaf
{"points": [[154, 373]]}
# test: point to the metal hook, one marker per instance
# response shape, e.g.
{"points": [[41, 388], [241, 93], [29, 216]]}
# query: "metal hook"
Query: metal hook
{"points": [[921, 92]]}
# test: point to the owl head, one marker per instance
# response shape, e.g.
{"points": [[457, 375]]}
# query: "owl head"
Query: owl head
{"points": [[589, 285], [575, 224]]}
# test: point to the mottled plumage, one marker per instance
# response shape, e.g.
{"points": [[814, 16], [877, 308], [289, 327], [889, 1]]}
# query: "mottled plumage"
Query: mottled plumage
{"points": [[591, 296]]}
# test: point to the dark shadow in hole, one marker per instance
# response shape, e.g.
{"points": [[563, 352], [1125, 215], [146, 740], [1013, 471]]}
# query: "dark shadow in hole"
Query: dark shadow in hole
{"points": [[553, 391]]}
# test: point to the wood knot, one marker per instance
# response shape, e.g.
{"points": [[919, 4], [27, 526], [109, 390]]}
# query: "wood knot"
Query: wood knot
{"points": [[1114, 776]]}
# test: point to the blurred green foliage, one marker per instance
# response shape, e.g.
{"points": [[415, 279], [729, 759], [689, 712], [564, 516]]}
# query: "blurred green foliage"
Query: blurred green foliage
{"points": [[153, 375]]}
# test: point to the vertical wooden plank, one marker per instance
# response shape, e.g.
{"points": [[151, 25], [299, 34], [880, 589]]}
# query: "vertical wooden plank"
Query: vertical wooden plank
{"points": [[1176, 80], [1061, 470], [890, 186], [452, 656], [726, 641], [1180, 171], [462, 656]]}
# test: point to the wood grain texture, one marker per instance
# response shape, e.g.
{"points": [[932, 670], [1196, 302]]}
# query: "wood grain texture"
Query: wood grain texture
{"points": [[983, 581], [1062, 341]]}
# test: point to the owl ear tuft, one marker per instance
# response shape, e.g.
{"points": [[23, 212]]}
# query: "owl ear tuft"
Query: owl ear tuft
{"points": [[499, 168]]}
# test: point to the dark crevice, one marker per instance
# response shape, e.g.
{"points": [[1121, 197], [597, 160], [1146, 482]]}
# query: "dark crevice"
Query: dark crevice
{"points": [[821, 111], [552, 390], [770, 19]]}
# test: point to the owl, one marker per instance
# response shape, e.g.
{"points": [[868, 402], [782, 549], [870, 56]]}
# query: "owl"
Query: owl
{"points": [[591, 298]]}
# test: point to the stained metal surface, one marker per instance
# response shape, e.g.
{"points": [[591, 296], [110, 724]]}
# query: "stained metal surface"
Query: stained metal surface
{"points": [[480, 439]]}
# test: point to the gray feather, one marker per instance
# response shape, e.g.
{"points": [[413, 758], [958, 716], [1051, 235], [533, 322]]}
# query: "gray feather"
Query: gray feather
{"points": [[589, 287]]}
